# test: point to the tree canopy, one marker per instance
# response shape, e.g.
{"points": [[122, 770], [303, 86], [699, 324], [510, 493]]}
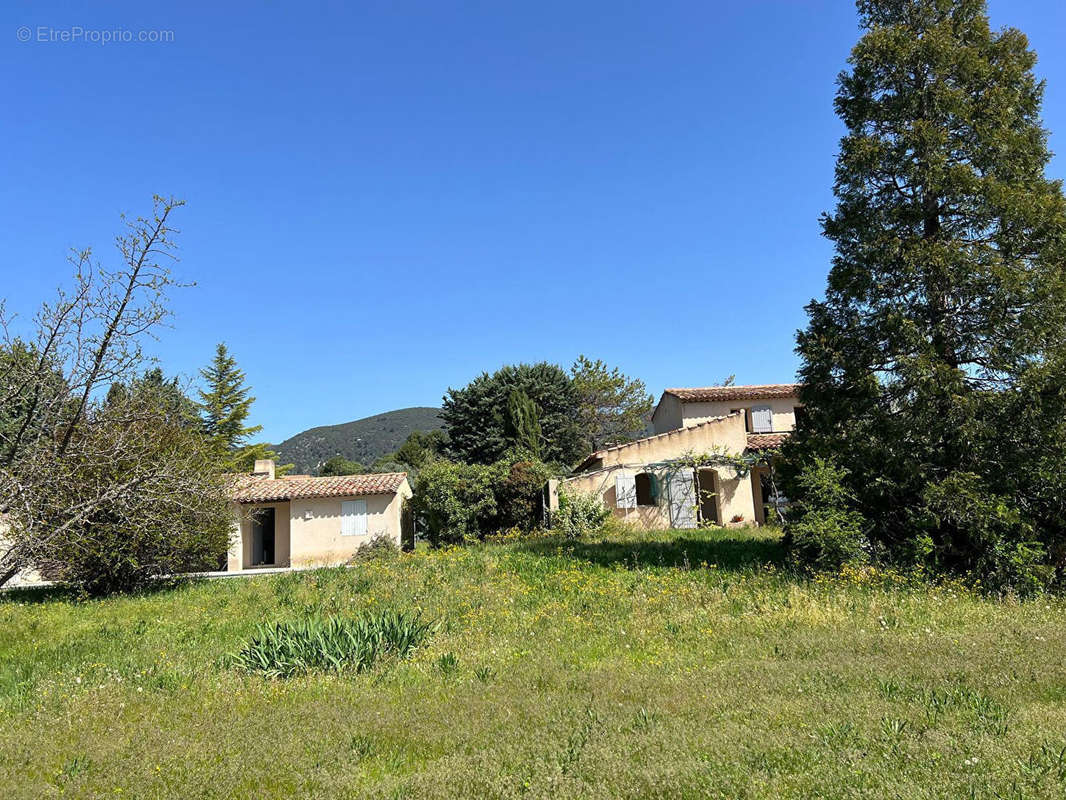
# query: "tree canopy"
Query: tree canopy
{"points": [[477, 419], [612, 407], [944, 311], [225, 402], [339, 465], [107, 493], [523, 424], [175, 406], [420, 448]]}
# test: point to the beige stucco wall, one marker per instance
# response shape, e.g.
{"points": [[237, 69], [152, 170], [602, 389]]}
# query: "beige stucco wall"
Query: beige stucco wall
{"points": [[601, 484], [316, 528], [734, 493], [783, 409], [667, 414], [311, 530], [671, 413]]}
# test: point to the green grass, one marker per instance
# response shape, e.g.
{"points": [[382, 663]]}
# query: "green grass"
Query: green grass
{"points": [[684, 664]]}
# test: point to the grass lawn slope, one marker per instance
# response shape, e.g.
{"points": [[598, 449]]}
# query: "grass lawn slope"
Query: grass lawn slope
{"points": [[683, 664]]}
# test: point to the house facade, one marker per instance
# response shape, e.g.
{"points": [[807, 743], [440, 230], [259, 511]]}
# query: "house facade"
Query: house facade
{"points": [[702, 465], [298, 521]]}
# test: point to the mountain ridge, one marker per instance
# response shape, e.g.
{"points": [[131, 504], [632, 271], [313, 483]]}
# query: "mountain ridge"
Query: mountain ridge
{"points": [[364, 440]]}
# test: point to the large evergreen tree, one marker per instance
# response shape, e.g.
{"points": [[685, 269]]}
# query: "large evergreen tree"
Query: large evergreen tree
{"points": [[226, 401], [944, 310], [477, 418]]}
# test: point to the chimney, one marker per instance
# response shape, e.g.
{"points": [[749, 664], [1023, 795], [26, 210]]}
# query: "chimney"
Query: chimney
{"points": [[264, 468]]}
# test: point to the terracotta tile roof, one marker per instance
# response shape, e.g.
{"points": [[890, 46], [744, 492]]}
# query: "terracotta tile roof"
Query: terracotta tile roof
{"points": [[765, 441], [250, 489], [764, 391]]}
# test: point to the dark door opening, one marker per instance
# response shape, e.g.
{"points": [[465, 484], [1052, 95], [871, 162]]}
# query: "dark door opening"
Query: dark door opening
{"points": [[407, 528], [708, 488], [263, 537]]}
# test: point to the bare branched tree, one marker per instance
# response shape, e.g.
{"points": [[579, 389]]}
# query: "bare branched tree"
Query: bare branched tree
{"points": [[75, 467]]}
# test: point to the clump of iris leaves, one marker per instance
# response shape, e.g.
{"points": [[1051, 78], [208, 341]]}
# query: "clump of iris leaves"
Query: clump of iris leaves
{"points": [[331, 644]]}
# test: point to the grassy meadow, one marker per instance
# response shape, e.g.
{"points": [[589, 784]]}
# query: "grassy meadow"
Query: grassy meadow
{"points": [[681, 664]]}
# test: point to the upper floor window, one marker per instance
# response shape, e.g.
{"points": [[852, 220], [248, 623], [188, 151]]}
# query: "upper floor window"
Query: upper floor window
{"points": [[762, 419]]}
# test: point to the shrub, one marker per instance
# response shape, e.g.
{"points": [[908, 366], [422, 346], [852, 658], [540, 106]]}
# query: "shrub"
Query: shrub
{"points": [[518, 495], [823, 531], [166, 509], [458, 503], [982, 534], [579, 514], [455, 503], [334, 644], [379, 547]]}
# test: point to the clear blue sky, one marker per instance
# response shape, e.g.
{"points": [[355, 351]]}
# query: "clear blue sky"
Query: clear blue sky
{"points": [[385, 199]]}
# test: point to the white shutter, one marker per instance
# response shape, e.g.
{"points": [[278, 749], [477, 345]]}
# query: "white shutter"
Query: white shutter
{"points": [[625, 490], [682, 489], [762, 419], [353, 517]]}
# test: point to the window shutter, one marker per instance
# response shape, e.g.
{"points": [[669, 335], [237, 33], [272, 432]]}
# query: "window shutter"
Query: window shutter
{"points": [[682, 488], [625, 491], [353, 517], [762, 419]]}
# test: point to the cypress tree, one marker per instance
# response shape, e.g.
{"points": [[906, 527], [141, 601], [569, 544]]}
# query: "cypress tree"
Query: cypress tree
{"points": [[524, 423]]}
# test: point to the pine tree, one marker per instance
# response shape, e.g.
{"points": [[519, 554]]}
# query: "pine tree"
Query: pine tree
{"points": [[946, 290], [226, 402], [613, 408], [224, 407]]}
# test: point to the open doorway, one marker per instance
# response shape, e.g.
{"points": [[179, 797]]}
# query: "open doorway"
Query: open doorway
{"points": [[707, 481], [263, 537]]}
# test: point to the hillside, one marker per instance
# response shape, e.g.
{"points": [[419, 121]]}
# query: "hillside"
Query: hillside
{"points": [[362, 440]]}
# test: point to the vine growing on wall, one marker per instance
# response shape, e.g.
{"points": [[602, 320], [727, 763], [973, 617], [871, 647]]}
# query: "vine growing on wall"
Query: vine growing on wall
{"points": [[720, 457]]}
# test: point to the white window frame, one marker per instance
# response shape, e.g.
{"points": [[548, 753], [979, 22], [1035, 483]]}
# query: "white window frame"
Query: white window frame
{"points": [[353, 518]]}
